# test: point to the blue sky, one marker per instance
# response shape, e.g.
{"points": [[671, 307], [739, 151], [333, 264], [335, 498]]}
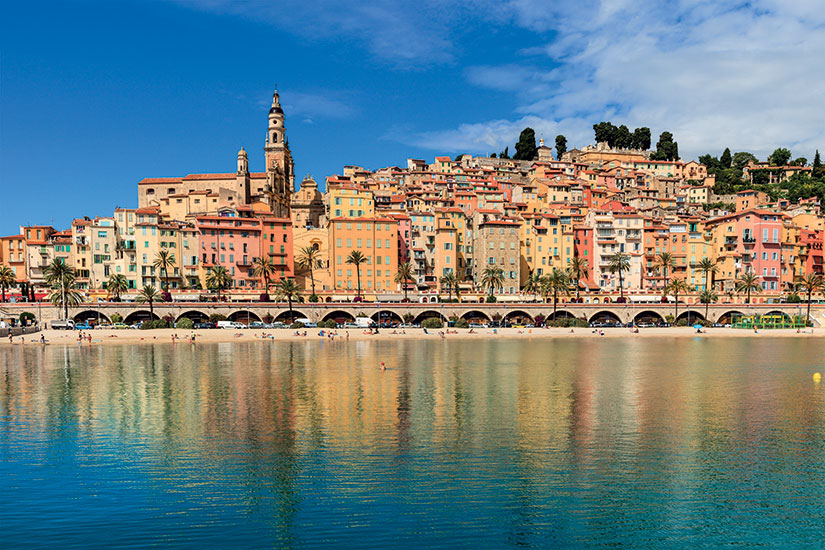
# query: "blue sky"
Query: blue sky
{"points": [[95, 96]]}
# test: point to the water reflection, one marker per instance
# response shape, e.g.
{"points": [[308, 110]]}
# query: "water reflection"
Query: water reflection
{"points": [[517, 443]]}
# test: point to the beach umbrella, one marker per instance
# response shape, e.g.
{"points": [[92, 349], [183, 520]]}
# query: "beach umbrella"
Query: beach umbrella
{"points": [[697, 326]]}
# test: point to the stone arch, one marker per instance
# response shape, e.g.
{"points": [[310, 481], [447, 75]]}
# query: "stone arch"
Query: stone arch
{"points": [[726, 318], [140, 315], [194, 315], [243, 316], [90, 316], [560, 314], [648, 317], [777, 318], [340, 317], [605, 316], [387, 316], [691, 316], [283, 316], [428, 315], [475, 316], [518, 316]]}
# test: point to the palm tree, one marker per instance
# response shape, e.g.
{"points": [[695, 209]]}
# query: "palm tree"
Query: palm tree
{"points": [[708, 266], [150, 295], [707, 297], [7, 279], [309, 259], [404, 274], [747, 282], [809, 284], [620, 262], [289, 290], [676, 287], [533, 284], [61, 278], [493, 278], [557, 281], [356, 258], [578, 270], [665, 261], [217, 279], [163, 261], [261, 267], [117, 285], [449, 280]]}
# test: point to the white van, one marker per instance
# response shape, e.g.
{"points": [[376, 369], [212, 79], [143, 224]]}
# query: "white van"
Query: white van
{"points": [[306, 322], [230, 324], [65, 324], [364, 322]]}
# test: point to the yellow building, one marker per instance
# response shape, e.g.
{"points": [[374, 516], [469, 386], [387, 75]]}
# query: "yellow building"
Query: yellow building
{"points": [[377, 240], [318, 238], [349, 202]]}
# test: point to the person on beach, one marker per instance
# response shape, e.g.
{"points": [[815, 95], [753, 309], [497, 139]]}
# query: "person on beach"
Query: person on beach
{"points": [[383, 366], [11, 338], [42, 338]]}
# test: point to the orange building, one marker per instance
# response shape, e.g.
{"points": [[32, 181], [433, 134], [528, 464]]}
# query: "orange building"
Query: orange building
{"points": [[377, 240]]}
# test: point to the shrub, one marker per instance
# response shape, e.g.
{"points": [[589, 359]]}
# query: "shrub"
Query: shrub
{"points": [[268, 318], [159, 323], [794, 298], [683, 322], [539, 320], [296, 325], [408, 318], [328, 324], [621, 300], [461, 323], [166, 296], [669, 318], [117, 318], [491, 299], [185, 323], [215, 317], [314, 298], [170, 319], [264, 297], [27, 317], [566, 322], [432, 322]]}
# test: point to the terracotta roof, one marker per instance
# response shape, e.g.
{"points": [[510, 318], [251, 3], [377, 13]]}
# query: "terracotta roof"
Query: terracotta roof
{"points": [[146, 181], [209, 177]]}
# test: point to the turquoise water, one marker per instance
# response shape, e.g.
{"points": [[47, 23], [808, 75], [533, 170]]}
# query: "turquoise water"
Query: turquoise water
{"points": [[506, 443]]}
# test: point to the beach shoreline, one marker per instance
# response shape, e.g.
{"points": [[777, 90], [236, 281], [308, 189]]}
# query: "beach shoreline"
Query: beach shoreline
{"points": [[181, 336]]}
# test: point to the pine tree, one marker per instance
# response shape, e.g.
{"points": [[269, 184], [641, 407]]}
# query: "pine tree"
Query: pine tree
{"points": [[725, 159], [561, 146], [526, 145], [817, 171]]}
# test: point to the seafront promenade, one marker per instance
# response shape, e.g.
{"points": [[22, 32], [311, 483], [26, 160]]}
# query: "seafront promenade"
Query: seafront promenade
{"points": [[515, 313]]}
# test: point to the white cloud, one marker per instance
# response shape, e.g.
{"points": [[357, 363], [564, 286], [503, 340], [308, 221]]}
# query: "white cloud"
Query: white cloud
{"points": [[321, 105], [401, 33], [751, 76]]}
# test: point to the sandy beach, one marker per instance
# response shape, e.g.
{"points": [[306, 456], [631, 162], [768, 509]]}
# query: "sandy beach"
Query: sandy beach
{"points": [[130, 336]]}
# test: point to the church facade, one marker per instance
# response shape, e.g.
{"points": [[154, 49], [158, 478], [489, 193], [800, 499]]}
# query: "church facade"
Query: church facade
{"points": [[184, 198]]}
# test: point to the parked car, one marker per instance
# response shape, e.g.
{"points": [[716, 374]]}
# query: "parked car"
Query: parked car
{"points": [[256, 324], [120, 325], [83, 326], [205, 324]]}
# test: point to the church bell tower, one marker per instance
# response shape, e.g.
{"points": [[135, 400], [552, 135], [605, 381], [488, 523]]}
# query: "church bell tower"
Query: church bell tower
{"points": [[280, 178]]}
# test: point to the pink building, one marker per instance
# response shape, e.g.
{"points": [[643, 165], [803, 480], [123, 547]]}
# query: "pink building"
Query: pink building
{"points": [[234, 242]]}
